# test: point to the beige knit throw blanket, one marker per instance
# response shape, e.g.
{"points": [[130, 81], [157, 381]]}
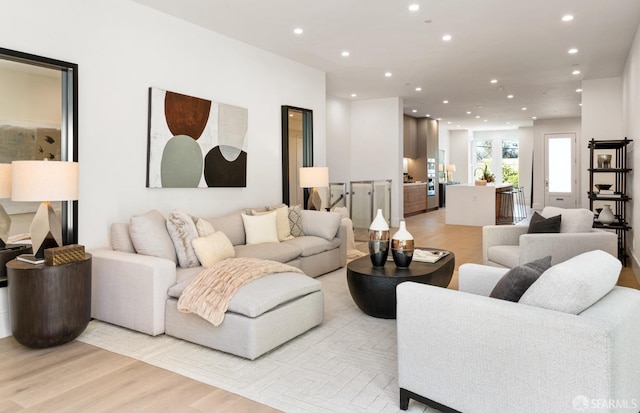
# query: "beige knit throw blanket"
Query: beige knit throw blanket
{"points": [[209, 294]]}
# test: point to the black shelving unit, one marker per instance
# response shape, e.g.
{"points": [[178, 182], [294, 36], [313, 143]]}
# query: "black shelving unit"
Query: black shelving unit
{"points": [[618, 171]]}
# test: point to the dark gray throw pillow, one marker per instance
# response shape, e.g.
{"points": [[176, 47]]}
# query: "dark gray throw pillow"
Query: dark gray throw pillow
{"points": [[540, 224], [515, 282]]}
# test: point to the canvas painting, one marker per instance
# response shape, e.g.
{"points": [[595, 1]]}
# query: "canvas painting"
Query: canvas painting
{"points": [[195, 142]]}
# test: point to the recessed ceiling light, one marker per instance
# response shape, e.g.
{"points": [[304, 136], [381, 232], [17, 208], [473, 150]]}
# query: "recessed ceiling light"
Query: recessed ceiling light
{"points": [[345, 53], [486, 120], [524, 108], [508, 123], [414, 111], [479, 107], [534, 117], [290, 115], [494, 80], [446, 37], [414, 7], [468, 112], [427, 115], [418, 89], [353, 95], [445, 101], [388, 74], [438, 118], [509, 96], [298, 30], [477, 116], [449, 123], [580, 104], [575, 72], [579, 90], [573, 51], [567, 18]]}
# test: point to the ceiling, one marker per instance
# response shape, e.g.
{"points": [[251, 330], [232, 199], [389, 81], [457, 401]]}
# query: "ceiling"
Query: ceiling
{"points": [[522, 44]]}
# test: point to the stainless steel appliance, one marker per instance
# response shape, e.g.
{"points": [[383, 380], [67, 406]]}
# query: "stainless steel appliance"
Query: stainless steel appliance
{"points": [[431, 177]]}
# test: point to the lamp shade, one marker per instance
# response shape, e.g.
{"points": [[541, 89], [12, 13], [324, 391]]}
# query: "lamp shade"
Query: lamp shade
{"points": [[314, 177], [44, 181], [451, 168], [5, 180]]}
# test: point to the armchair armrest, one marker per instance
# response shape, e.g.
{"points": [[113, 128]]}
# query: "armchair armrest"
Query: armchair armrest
{"points": [[130, 290], [500, 235], [563, 246], [479, 279], [476, 353], [344, 242]]}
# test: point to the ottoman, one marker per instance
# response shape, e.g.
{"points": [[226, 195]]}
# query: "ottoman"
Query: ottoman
{"points": [[263, 314]]}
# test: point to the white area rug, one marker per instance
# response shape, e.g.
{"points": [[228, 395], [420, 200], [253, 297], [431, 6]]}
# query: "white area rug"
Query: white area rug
{"points": [[347, 364]]}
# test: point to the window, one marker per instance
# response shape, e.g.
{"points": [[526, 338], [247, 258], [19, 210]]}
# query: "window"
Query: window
{"points": [[510, 162]]}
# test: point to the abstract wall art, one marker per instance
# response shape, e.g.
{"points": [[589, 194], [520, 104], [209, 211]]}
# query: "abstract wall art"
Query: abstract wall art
{"points": [[195, 143]]}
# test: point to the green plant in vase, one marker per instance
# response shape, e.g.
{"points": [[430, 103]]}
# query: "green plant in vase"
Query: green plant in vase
{"points": [[485, 174]]}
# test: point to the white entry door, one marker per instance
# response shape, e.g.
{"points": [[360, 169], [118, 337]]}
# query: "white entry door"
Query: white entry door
{"points": [[561, 180]]}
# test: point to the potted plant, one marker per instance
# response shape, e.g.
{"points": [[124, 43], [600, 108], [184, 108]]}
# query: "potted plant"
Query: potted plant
{"points": [[485, 175]]}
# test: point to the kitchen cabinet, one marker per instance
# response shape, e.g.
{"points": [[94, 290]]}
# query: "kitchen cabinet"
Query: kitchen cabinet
{"points": [[415, 198], [410, 137]]}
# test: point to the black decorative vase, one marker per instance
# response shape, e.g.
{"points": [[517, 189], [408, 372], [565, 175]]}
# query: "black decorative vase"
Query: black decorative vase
{"points": [[379, 240]]}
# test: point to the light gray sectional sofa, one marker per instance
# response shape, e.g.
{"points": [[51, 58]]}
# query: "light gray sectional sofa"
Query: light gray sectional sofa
{"points": [[137, 281]]}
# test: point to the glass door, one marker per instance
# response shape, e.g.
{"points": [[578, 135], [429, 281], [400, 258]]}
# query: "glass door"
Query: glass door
{"points": [[560, 171]]}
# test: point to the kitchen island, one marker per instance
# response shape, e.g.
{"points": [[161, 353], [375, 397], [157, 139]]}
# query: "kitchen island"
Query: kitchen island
{"points": [[476, 205]]}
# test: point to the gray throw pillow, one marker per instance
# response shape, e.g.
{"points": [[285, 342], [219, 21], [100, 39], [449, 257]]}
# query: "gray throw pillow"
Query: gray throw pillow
{"points": [[540, 224], [321, 223], [515, 282], [149, 235]]}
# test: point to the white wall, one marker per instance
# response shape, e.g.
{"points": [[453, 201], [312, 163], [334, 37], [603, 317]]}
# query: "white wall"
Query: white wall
{"points": [[631, 129], [339, 139], [525, 158], [122, 49], [459, 155], [22, 88], [376, 146]]}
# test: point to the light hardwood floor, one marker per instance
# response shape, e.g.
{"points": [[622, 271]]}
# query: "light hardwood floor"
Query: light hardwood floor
{"points": [[78, 377]]}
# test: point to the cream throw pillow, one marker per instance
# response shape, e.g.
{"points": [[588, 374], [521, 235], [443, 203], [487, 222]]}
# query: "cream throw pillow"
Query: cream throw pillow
{"points": [[282, 220], [213, 248], [204, 227], [260, 228]]}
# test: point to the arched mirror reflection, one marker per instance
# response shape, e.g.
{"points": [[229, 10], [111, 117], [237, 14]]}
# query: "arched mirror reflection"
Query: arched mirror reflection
{"points": [[297, 152], [38, 120]]}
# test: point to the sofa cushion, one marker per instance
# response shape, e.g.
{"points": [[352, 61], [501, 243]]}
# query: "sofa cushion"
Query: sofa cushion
{"points": [[542, 225], [263, 294], [149, 236], [573, 219], [231, 225], [576, 284], [517, 280], [266, 293], [182, 230], [274, 251], [295, 221], [505, 255], [310, 245], [259, 229], [120, 238], [213, 248], [321, 224]]}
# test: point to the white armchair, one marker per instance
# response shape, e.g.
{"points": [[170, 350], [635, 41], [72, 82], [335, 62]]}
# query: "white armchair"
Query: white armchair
{"points": [[510, 245], [463, 351]]}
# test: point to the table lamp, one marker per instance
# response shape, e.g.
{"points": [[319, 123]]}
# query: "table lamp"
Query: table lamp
{"points": [[5, 192], [44, 181], [314, 177], [451, 168]]}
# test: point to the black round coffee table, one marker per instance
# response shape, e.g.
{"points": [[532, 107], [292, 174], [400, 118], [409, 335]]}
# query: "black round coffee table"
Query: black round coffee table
{"points": [[374, 288]]}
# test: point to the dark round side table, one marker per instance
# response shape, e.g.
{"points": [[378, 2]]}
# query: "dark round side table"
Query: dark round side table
{"points": [[373, 289], [50, 304]]}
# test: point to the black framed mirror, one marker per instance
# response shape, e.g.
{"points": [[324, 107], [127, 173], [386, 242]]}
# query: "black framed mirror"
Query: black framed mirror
{"points": [[297, 151], [26, 67]]}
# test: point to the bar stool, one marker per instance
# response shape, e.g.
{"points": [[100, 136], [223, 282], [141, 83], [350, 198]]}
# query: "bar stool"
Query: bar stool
{"points": [[505, 214]]}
